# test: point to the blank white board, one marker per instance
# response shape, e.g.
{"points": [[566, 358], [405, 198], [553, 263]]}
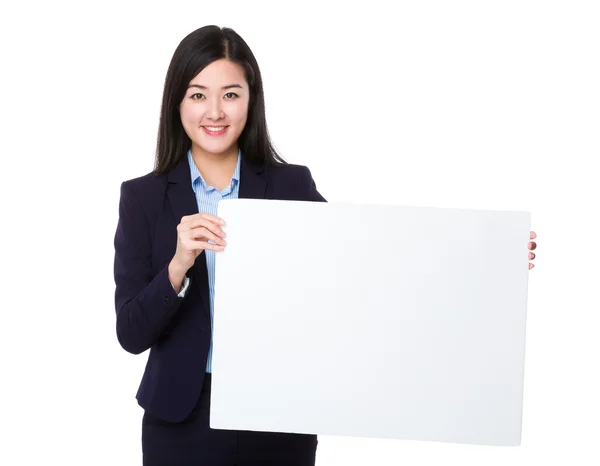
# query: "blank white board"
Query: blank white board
{"points": [[371, 321]]}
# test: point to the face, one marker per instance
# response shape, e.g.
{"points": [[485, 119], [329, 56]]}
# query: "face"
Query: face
{"points": [[214, 109]]}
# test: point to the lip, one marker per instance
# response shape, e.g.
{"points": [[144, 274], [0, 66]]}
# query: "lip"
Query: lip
{"points": [[215, 133]]}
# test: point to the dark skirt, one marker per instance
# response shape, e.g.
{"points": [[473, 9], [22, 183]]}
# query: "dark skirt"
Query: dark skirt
{"points": [[193, 443]]}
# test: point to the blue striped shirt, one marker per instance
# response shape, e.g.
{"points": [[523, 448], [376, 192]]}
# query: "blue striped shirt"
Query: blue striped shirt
{"points": [[208, 199]]}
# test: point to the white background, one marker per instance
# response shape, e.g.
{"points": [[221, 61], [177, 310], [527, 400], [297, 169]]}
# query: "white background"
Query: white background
{"points": [[491, 105]]}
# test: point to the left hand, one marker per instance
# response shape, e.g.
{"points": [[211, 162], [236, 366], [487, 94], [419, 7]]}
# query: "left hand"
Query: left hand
{"points": [[532, 245]]}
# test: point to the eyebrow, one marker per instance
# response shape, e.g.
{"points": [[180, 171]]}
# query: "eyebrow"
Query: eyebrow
{"points": [[230, 86]]}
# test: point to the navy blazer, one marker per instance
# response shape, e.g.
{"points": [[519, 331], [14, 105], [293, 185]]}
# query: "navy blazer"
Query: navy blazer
{"points": [[149, 313]]}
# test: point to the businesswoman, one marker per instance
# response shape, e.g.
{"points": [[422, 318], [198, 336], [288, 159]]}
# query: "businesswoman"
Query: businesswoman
{"points": [[212, 144]]}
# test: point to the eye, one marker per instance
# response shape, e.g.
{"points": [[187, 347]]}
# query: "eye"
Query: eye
{"points": [[197, 96], [231, 95]]}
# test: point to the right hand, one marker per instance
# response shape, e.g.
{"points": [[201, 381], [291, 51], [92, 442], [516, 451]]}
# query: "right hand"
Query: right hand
{"points": [[193, 234]]}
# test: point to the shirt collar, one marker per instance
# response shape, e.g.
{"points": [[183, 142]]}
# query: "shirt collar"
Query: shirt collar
{"points": [[196, 176]]}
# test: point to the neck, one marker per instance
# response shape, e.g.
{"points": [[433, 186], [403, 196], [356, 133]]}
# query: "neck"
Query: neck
{"points": [[201, 157], [216, 169]]}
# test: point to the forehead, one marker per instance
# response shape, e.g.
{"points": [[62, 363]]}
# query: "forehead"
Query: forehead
{"points": [[220, 73]]}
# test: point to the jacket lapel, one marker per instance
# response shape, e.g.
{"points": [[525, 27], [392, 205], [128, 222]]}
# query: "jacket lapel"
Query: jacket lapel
{"points": [[252, 181], [179, 191]]}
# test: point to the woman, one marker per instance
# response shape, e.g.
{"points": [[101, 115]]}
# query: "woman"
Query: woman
{"points": [[213, 144]]}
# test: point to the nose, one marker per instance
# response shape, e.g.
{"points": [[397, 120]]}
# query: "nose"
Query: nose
{"points": [[214, 110]]}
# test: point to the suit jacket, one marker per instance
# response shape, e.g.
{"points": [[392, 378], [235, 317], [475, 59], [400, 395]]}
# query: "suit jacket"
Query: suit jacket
{"points": [[149, 313]]}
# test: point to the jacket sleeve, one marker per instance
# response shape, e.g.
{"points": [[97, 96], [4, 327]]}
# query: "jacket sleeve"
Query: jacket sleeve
{"points": [[144, 303], [313, 193]]}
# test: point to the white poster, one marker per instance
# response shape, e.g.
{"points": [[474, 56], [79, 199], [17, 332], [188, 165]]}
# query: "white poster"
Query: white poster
{"points": [[371, 321]]}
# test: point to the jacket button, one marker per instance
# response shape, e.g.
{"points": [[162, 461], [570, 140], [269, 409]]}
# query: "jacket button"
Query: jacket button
{"points": [[167, 301]]}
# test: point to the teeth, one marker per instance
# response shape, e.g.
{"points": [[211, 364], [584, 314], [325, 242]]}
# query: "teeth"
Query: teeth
{"points": [[215, 128]]}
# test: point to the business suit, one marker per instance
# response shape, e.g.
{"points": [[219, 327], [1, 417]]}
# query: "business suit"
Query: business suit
{"points": [[150, 315]]}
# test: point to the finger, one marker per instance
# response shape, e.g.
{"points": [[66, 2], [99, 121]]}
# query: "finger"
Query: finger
{"points": [[531, 256], [195, 245], [213, 247], [203, 222], [209, 217], [203, 232], [189, 218], [532, 235], [532, 245], [213, 218], [217, 230]]}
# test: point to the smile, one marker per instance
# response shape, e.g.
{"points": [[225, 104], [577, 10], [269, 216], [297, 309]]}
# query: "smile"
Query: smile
{"points": [[215, 130]]}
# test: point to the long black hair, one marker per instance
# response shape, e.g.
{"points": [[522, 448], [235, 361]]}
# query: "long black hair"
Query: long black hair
{"points": [[195, 52]]}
